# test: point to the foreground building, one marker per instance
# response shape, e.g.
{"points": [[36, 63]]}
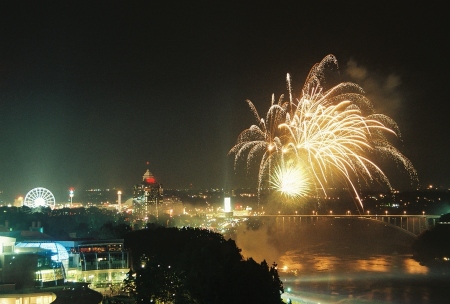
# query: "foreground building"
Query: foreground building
{"points": [[28, 267], [33, 259], [98, 262]]}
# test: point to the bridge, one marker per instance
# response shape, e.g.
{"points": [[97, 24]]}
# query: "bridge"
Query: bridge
{"points": [[412, 224]]}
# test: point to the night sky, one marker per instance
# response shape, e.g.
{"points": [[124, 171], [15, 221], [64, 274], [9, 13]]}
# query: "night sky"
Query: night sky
{"points": [[90, 91]]}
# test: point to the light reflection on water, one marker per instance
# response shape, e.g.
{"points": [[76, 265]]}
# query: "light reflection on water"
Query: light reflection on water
{"points": [[316, 278], [344, 260], [312, 262]]}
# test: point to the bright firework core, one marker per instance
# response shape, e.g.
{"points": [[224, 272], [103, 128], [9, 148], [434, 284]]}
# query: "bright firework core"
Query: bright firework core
{"points": [[320, 137], [290, 179]]}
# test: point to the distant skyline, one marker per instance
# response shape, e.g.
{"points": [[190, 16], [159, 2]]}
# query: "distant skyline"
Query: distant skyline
{"points": [[92, 91]]}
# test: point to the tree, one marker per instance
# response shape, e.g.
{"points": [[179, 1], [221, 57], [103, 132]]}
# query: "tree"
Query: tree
{"points": [[129, 284], [198, 266], [432, 247]]}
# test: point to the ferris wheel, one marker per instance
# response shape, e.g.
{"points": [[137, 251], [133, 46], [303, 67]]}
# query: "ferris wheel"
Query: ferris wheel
{"points": [[39, 197]]}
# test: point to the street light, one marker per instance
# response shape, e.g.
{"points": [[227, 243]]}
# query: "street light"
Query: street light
{"points": [[71, 196]]}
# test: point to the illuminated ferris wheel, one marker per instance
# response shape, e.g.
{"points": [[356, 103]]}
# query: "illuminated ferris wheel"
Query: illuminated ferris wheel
{"points": [[39, 197]]}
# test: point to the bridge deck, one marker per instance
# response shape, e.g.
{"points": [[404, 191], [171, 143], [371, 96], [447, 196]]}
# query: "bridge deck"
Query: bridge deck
{"points": [[410, 223]]}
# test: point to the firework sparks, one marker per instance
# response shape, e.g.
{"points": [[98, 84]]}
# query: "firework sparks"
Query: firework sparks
{"points": [[333, 132], [289, 179]]}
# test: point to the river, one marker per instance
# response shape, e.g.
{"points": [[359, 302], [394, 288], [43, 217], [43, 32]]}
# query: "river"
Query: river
{"points": [[343, 261]]}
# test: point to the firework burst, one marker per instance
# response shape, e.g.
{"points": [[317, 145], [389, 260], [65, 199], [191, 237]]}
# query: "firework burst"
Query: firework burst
{"points": [[290, 179], [323, 135]]}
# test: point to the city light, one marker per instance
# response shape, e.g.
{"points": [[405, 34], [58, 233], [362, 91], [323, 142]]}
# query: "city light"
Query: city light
{"points": [[227, 204]]}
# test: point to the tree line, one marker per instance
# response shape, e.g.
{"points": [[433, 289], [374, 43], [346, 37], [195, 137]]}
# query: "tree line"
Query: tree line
{"points": [[191, 265]]}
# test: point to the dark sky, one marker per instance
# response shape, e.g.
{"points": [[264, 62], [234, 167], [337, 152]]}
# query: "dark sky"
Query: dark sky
{"points": [[92, 90]]}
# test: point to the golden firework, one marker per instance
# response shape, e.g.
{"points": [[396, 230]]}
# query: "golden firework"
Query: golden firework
{"points": [[322, 135]]}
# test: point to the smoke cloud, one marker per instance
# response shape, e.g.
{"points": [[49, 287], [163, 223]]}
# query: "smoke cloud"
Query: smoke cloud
{"points": [[383, 91]]}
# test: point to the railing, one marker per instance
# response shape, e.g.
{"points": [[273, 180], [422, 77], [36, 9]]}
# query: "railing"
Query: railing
{"points": [[90, 261]]}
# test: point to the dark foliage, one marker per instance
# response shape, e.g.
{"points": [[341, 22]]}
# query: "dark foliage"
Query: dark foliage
{"points": [[432, 247], [198, 266], [90, 222]]}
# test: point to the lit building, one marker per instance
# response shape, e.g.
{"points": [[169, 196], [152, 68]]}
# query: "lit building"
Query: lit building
{"points": [[96, 261], [36, 260], [28, 267], [147, 195], [57, 252], [9, 297]]}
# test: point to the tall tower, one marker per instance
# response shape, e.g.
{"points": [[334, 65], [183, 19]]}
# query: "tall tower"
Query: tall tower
{"points": [[119, 200], [147, 195]]}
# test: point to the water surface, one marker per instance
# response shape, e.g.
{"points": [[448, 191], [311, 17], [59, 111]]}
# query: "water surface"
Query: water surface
{"points": [[344, 261]]}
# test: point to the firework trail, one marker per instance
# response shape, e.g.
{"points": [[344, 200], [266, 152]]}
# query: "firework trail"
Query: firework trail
{"points": [[320, 137]]}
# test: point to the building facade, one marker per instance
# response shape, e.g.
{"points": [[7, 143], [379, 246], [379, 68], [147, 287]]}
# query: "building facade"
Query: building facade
{"points": [[98, 262], [28, 267], [147, 197], [42, 262]]}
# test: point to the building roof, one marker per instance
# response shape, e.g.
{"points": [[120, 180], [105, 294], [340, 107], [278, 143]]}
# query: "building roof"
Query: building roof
{"points": [[148, 177], [59, 253]]}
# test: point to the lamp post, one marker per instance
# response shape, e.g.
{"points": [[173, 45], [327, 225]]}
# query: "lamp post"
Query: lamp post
{"points": [[71, 196], [424, 221], [401, 220]]}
